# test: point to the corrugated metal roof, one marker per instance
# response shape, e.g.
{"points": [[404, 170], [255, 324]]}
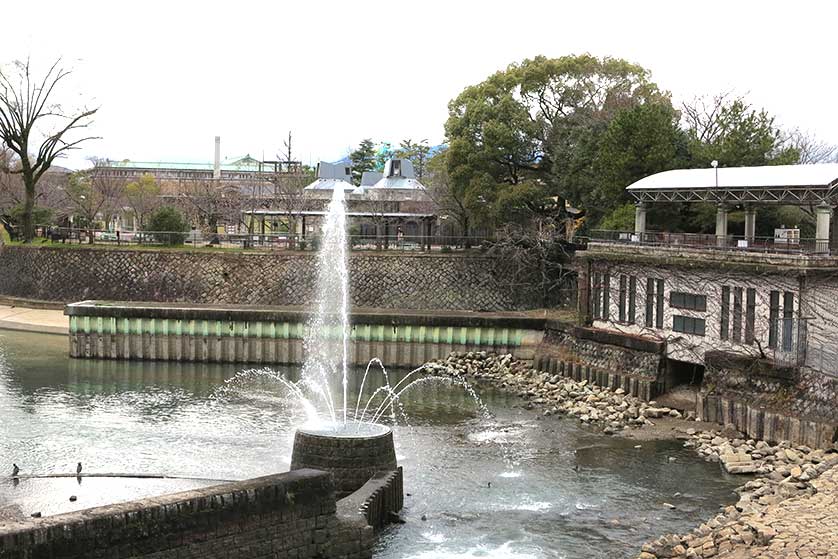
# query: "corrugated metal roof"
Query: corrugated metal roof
{"points": [[820, 176], [399, 183], [369, 178], [330, 184]]}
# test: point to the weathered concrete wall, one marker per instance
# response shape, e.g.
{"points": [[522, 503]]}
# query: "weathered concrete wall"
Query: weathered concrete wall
{"points": [[285, 515], [768, 402], [608, 358], [378, 280]]}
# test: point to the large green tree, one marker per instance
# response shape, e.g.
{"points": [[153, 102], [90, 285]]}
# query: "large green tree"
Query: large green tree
{"points": [[362, 159], [531, 133], [638, 142], [417, 153]]}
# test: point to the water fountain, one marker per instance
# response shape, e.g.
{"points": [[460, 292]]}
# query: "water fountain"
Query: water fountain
{"points": [[334, 439]]}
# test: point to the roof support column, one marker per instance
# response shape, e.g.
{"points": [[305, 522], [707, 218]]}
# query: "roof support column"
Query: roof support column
{"points": [[640, 220], [721, 225], [823, 215], [750, 224]]}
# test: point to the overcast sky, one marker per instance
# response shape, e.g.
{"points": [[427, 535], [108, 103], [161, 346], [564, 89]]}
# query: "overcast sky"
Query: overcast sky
{"points": [[169, 76]]}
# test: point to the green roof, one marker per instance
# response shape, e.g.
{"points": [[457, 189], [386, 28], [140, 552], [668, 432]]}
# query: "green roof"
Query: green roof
{"points": [[245, 163]]}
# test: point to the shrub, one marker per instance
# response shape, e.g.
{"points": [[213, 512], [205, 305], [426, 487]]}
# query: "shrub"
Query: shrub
{"points": [[168, 226]]}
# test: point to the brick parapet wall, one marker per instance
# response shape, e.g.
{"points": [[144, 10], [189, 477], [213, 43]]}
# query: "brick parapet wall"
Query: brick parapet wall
{"points": [[378, 280], [285, 515]]}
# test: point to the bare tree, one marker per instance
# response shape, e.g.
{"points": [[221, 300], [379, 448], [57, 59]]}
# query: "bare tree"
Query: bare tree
{"points": [[94, 195], [288, 180], [143, 197], [811, 149], [449, 201], [702, 114], [210, 202], [536, 256], [29, 111], [10, 188]]}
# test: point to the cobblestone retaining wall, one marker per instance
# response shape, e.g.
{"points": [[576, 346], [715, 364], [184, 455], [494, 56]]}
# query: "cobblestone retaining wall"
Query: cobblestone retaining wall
{"points": [[608, 358], [285, 515], [386, 280]]}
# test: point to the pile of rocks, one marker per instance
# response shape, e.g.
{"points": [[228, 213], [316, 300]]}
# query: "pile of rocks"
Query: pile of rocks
{"points": [[786, 472], [612, 410]]}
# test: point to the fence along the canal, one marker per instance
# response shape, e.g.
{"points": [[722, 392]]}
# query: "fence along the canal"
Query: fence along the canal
{"points": [[278, 241]]}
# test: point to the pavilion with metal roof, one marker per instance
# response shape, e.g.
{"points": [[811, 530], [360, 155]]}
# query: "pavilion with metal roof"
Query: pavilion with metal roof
{"points": [[794, 185]]}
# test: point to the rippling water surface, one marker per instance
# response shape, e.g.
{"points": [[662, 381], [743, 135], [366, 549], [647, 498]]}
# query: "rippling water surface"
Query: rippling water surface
{"points": [[510, 486]]}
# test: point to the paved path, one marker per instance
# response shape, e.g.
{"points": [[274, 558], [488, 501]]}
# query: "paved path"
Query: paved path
{"points": [[45, 321]]}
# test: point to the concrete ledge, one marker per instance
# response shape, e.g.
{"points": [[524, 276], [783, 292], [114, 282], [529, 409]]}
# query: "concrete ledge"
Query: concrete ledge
{"points": [[610, 337]]}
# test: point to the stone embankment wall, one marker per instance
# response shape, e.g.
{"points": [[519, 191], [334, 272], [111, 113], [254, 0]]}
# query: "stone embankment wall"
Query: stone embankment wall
{"points": [[769, 402], [378, 280], [610, 359], [286, 515]]}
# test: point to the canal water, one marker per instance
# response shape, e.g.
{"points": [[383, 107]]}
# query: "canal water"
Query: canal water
{"points": [[512, 485]]}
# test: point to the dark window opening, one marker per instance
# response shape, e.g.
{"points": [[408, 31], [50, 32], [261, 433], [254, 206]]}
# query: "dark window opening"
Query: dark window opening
{"points": [[632, 297], [725, 312], [750, 314], [737, 314], [688, 325], [595, 295], [659, 317], [689, 301], [773, 319], [606, 295], [788, 314], [622, 303]]}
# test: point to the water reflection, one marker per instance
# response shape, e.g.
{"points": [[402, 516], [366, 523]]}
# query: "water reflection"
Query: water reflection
{"points": [[565, 492]]}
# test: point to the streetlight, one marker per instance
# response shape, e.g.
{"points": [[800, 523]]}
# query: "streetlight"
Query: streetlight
{"points": [[715, 165]]}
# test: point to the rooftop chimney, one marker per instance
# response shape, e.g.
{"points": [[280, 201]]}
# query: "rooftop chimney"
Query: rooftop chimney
{"points": [[216, 169]]}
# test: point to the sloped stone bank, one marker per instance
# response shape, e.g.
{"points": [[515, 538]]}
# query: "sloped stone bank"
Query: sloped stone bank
{"points": [[612, 410]]}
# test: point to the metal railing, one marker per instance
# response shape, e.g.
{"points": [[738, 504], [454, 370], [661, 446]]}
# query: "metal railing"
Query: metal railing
{"points": [[712, 242], [273, 241]]}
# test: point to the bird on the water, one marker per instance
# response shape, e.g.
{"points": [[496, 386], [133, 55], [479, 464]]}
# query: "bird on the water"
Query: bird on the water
{"points": [[15, 470], [78, 468]]}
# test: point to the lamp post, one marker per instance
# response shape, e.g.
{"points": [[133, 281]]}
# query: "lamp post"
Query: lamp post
{"points": [[715, 165]]}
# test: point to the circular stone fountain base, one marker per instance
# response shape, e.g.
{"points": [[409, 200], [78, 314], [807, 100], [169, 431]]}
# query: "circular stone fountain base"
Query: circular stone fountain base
{"points": [[352, 453]]}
